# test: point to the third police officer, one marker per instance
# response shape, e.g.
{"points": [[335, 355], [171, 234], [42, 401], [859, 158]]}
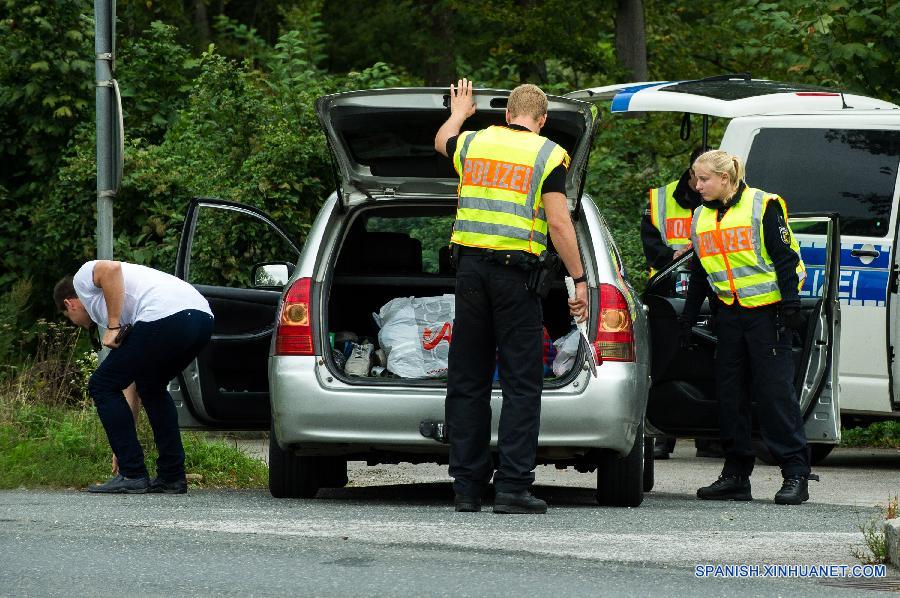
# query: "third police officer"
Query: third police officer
{"points": [[666, 236]]}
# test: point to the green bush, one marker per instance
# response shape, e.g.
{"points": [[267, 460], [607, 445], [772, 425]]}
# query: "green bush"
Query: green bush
{"points": [[884, 434]]}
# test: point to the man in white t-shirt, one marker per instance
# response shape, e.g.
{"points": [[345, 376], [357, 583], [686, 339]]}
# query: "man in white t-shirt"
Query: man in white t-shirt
{"points": [[155, 325]]}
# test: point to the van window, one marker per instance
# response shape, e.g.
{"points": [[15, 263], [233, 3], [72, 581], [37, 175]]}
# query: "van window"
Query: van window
{"points": [[848, 171]]}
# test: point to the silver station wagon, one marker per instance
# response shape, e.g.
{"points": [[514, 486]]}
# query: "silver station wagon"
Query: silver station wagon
{"points": [[289, 322]]}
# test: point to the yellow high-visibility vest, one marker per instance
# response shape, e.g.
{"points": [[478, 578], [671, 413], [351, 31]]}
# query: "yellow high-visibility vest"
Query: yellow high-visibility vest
{"points": [[501, 172], [671, 220], [733, 251]]}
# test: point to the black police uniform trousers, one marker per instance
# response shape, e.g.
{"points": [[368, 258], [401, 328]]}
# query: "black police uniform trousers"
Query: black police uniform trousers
{"points": [[749, 337], [496, 315]]}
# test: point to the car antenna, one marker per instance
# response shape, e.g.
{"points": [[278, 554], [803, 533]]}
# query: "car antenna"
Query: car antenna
{"points": [[844, 105]]}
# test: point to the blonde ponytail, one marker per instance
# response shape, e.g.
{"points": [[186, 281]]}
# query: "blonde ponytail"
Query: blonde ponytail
{"points": [[738, 170]]}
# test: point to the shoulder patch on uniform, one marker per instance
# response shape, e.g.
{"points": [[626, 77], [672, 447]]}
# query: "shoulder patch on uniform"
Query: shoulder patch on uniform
{"points": [[785, 235]]}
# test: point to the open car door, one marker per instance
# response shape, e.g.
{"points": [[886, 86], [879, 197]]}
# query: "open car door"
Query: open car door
{"points": [[683, 398], [239, 259]]}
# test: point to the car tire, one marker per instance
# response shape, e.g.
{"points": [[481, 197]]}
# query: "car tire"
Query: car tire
{"points": [[620, 480], [332, 472], [763, 453], [649, 464], [817, 452], [291, 476]]}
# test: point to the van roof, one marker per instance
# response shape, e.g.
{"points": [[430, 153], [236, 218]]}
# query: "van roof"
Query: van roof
{"points": [[728, 96]]}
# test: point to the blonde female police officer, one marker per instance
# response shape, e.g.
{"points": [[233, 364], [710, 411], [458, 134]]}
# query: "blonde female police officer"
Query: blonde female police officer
{"points": [[747, 253]]}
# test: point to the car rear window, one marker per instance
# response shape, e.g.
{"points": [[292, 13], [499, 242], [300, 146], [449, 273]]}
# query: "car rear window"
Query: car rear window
{"points": [[849, 171], [432, 232]]}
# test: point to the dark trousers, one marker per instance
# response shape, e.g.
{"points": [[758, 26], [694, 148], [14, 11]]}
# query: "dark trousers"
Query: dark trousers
{"points": [[150, 356], [495, 315], [749, 337]]}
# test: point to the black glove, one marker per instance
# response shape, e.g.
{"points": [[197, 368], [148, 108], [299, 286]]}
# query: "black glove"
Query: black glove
{"points": [[685, 326], [793, 317]]}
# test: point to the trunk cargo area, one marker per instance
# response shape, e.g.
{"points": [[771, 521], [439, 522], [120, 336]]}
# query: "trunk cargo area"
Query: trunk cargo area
{"points": [[402, 250]]}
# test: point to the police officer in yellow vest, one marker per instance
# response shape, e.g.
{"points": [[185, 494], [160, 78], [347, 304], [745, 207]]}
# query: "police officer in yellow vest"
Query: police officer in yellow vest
{"points": [[746, 252], [666, 236], [666, 224], [511, 197]]}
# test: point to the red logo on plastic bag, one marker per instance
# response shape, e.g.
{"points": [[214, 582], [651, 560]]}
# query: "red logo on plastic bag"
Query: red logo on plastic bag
{"points": [[431, 338]]}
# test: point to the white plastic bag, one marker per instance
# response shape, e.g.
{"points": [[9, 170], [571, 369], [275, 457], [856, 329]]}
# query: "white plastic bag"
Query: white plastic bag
{"points": [[415, 333], [566, 350]]}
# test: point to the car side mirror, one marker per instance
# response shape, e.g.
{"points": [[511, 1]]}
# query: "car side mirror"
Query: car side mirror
{"points": [[271, 275]]}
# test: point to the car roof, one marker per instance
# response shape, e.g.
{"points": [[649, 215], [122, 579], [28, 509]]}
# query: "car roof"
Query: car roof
{"points": [[728, 96]]}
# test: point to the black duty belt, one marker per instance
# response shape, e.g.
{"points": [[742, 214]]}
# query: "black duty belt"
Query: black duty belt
{"points": [[508, 257]]}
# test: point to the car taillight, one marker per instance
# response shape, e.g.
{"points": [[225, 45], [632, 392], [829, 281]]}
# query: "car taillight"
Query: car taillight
{"points": [[294, 335], [615, 334]]}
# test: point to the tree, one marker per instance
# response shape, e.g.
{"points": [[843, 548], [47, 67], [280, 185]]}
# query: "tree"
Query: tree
{"points": [[631, 43]]}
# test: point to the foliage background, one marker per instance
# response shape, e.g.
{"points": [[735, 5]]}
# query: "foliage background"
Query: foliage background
{"points": [[218, 99]]}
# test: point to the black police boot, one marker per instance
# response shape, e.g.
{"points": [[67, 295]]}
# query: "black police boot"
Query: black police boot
{"points": [[467, 504], [663, 447], [121, 485], [727, 487], [519, 503], [159, 486], [794, 490]]}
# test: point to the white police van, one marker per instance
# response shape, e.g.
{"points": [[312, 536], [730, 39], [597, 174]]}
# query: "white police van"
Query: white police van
{"points": [[823, 151]]}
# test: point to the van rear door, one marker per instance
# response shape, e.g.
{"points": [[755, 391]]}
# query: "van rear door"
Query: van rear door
{"points": [[726, 96]]}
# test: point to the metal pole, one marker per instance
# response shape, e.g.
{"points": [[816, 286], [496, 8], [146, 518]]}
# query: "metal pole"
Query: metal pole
{"points": [[104, 15]]}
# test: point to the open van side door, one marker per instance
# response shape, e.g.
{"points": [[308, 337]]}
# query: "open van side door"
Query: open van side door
{"points": [[683, 398], [239, 259]]}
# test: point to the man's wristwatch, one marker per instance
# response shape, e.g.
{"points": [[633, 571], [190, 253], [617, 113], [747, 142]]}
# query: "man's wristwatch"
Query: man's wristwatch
{"points": [[581, 278]]}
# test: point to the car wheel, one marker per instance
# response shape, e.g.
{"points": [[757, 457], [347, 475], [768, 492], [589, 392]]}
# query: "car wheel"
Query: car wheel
{"points": [[291, 476], [332, 472], [818, 452], [649, 467], [763, 453], [620, 480]]}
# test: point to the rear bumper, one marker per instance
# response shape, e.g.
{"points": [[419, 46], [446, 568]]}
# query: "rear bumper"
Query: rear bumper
{"points": [[315, 413]]}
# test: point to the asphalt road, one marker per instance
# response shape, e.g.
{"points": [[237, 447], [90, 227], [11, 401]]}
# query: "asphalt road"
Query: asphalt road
{"points": [[392, 532]]}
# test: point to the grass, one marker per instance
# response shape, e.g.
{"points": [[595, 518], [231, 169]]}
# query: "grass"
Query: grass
{"points": [[884, 434], [64, 446], [50, 435], [874, 550]]}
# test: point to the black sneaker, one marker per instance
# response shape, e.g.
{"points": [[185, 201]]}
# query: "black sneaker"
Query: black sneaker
{"points": [[794, 490], [519, 503], [467, 504], [727, 487], [121, 485], [158, 486]]}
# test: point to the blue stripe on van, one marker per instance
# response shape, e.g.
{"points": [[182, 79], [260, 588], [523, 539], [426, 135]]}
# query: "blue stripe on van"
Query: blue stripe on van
{"points": [[623, 98], [859, 284]]}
